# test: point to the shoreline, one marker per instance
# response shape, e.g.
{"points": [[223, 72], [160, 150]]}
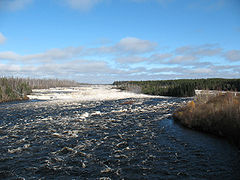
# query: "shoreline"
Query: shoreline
{"points": [[15, 100], [218, 115]]}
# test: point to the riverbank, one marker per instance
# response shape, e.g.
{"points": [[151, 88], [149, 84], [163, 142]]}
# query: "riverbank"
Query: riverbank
{"points": [[13, 90], [18, 89], [218, 114]]}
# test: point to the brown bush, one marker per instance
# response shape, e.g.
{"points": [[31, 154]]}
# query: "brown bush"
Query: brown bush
{"points": [[219, 115]]}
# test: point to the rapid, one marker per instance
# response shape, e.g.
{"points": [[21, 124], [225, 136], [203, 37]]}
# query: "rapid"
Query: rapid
{"points": [[98, 132]]}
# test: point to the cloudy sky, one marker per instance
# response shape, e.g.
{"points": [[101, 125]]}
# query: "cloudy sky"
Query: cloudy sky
{"points": [[101, 41]]}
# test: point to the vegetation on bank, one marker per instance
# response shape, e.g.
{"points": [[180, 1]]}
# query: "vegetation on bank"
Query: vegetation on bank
{"points": [[219, 115], [12, 89], [216, 113], [180, 87]]}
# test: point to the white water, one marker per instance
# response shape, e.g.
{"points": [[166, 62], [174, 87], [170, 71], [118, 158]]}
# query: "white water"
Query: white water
{"points": [[87, 137], [85, 93]]}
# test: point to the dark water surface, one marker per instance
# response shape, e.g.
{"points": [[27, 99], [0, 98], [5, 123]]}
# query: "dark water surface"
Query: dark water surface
{"points": [[107, 139]]}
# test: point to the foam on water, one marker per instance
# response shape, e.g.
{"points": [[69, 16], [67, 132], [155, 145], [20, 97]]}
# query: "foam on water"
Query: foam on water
{"points": [[85, 93], [126, 136]]}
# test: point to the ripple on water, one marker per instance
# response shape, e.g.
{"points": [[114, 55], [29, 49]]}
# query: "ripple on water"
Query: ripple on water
{"points": [[108, 139]]}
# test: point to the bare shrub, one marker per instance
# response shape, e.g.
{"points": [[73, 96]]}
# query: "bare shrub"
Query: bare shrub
{"points": [[218, 114]]}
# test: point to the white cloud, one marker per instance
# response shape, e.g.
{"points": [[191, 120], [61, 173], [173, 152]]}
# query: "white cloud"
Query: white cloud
{"points": [[10, 68], [182, 59], [204, 50], [52, 54], [2, 38], [233, 55], [82, 5], [202, 70], [157, 58], [55, 54], [164, 70], [154, 58], [80, 70], [87, 66], [135, 45], [14, 5], [131, 59], [135, 59], [93, 71], [9, 55], [160, 57], [128, 45]]}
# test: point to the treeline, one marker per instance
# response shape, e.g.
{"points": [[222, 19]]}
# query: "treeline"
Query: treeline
{"points": [[180, 87], [50, 83], [12, 89]]}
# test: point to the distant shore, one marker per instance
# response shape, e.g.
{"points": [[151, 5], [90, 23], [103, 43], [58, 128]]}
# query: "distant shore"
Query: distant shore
{"points": [[179, 87], [17, 89]]}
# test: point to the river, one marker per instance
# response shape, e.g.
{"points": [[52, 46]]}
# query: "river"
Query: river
{"points": [[96, 132]]}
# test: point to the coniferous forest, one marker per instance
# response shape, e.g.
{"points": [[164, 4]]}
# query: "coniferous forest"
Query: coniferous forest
{"points": [[180, 87]]}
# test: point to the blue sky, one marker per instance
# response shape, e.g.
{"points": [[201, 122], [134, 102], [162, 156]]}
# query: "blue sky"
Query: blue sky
{"points": [[101, 41]]}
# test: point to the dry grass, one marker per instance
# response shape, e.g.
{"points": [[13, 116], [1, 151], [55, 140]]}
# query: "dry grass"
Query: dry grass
{"points": [[218, 114]]}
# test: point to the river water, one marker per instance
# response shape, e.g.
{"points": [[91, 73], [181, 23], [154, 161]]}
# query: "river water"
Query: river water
{"points": [[97, 132]]}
